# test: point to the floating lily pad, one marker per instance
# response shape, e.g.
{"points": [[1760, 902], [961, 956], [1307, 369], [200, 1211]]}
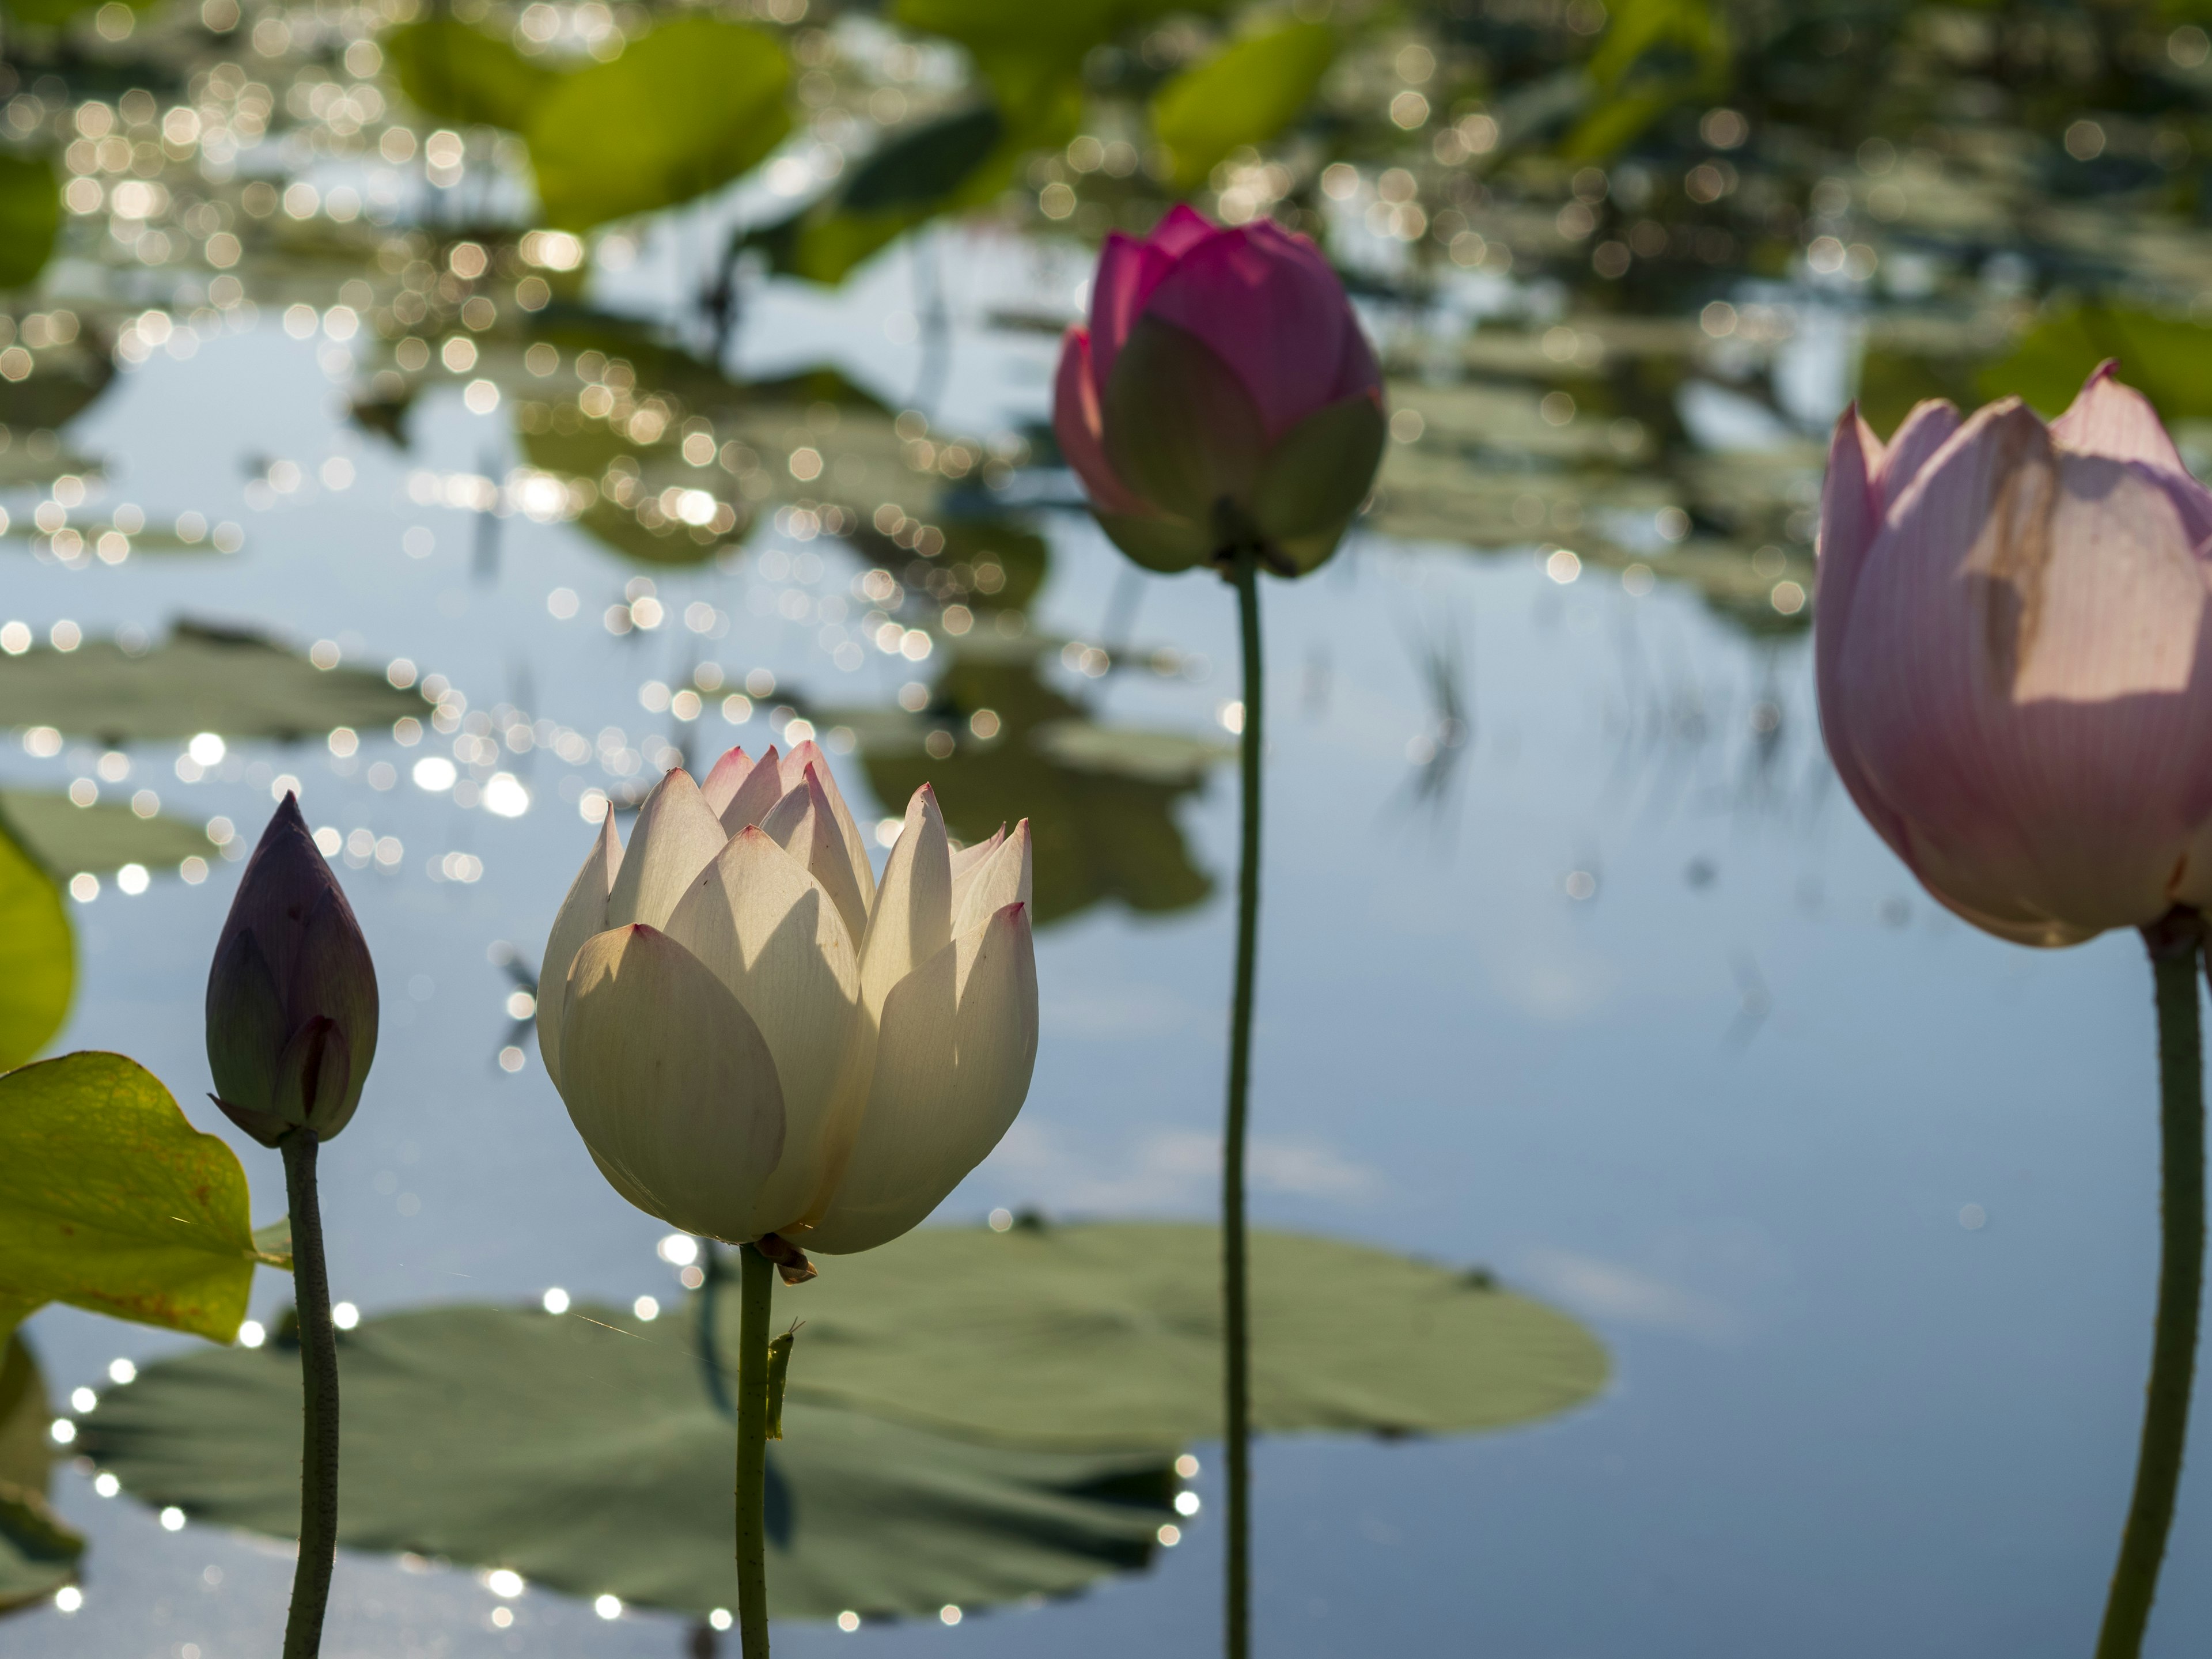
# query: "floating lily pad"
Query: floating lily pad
{"points": [[199, 679], [38, 1553], [37, 954], [106, 836], [583, 1452], [1109, 1334], [109, 1201]]}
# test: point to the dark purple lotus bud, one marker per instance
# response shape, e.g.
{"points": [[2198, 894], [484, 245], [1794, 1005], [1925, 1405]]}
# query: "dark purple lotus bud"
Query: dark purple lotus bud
{"points": [[291, 1000]]}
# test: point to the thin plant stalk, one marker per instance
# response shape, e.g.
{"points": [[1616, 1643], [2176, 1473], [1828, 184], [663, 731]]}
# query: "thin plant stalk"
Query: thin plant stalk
{"points": [[318, 1380], [2174, 943], [757, 1284], [1237, 1370]]}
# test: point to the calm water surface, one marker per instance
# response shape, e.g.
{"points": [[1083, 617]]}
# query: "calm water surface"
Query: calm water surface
{"points": [[1862, 1202]]}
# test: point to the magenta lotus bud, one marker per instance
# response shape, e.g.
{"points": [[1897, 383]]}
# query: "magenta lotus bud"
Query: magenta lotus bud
{"points": [[291, 1000], [1223, 397], [2014, 662]]}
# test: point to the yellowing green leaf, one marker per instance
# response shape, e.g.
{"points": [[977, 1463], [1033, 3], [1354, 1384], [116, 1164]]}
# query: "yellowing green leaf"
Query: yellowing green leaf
{"points": [[455, 73], [109, 1201], [689, 107], [1246, 94], [38, 956]]}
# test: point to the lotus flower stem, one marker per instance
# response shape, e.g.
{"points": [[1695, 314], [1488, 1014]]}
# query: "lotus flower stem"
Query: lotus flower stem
{"points": [[2174, 943], [319, 1376], [1237, 1413], [756, 1284]]}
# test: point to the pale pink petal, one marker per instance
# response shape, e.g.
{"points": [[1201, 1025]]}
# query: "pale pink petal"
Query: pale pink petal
{"points": [[2028, 682], [1269, 306], [754, 797], [2109, 418], [1914, 444], [1851, 514], [1078, 423], [729, 774]]}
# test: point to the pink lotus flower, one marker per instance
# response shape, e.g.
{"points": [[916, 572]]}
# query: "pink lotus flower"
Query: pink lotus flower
{"points": [[1222, 397], [2015, 672]]}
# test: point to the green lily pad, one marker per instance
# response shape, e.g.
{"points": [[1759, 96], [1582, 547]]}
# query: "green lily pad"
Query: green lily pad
{"points": [[38, 1553], [199, 679], [106, 836], [455, 73], [109, 1201], [584, 1453], [1109, 1334]]}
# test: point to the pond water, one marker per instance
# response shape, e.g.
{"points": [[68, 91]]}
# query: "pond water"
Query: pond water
{"points": [[1577, 963]]}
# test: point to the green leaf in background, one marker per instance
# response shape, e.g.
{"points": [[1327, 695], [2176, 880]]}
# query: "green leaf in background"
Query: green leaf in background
{"points": [[37, 955], [1245, 94], [455, 73], [583, 1452], [109, 1201], [2167, 359], [199, 679], [1109, 1334], [38, 1553], [689, 107], [104, 836], [30, 217], [273, 1243], [1655, 55]]}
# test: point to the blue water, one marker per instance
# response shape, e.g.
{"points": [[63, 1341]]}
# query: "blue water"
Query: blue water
{"points": [[1862, 1203]]}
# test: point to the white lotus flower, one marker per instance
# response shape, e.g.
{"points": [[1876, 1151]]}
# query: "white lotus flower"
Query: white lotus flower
{"points": [[752, 1037]]}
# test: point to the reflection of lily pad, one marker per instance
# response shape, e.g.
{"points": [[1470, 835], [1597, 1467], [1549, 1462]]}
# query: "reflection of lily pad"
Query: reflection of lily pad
{"points": [[38, 1553], [1100, 832], [584, 1453], [1109, 1334], [1125, 751], [200, 679], [106, 836]]}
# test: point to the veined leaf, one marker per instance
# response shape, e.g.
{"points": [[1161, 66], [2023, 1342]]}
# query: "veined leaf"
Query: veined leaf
{"points": [[37, 954], [109, 1201]]}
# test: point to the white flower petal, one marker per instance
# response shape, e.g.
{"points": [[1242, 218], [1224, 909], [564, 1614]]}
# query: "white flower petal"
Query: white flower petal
{"points": [[804, 824], [984, 890], [671, 1084], [912, 919], [952, 1066], [766, 928], [856, 848], [583, 913], [676, 837]]}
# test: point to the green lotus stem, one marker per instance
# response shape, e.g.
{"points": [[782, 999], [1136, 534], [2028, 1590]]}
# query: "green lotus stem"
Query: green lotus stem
{"points": [[319, 1385], [1237, 1370], [756, 1284], [2173, 945]]}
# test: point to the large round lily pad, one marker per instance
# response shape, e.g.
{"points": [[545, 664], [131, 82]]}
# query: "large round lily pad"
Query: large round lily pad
{"points": [[1109, 1334], [199, 679], [584, 1452]]}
